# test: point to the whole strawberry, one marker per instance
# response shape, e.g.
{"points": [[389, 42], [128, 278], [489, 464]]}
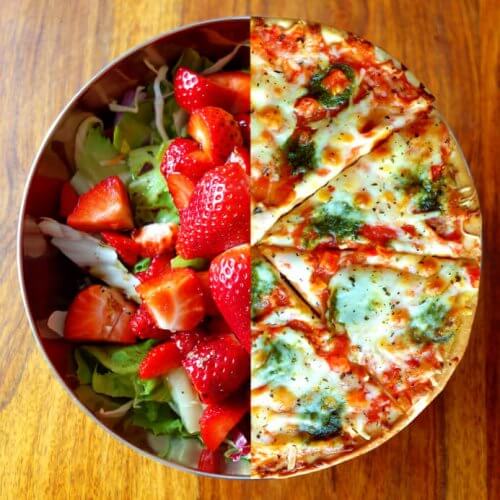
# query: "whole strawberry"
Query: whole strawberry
{"points": [[230, 286], [218, 214], [218, 365]]}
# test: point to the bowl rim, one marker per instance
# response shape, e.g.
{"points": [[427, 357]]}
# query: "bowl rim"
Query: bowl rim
{"points": [[19, 239]]}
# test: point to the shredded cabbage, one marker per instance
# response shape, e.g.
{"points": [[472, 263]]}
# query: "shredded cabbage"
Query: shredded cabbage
{"points": [[223, 61], [121, 108], [98, 259]]}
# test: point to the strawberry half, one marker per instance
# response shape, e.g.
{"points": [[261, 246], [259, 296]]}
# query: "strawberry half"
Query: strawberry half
{"points": [[240, 156], [158, 265], [155, 239], [181, 188], [67, 200], [185, 341], [218, 365], [216, 131], [210, 305], [99, 314], [210, 461], [193, 91], [239, 83], [230, 284], [184, 156], [219, 419], [127, 249], [174, 299], [105, 207], [143, 326], [160, 360], [218, 214]]}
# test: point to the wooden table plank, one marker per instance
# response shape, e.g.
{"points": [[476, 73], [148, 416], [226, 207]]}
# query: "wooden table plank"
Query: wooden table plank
{"points": [[48, 448]]}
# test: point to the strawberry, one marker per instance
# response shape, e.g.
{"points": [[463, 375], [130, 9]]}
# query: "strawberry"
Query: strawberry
{"points": [[181, 188], [127, 249], [216, 131], [155, 239], [99, 314], [67, 200], [186, 341], [219, 419], [210, 306], [174, 299], [184, 156], [218, 214], [160, 360], [105, 207], [158, 265], [230, 284], [239, 83], [243, 120], [241, 157], [193, 91], [217, 366], [210, 461], [143, 326]]}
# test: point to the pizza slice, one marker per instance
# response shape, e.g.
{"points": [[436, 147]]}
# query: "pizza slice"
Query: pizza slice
{"points": [[310, 405], [407, 317], [321, 99], [413, 194]]}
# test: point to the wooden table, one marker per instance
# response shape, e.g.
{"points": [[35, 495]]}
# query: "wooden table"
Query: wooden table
{"points": [[48, 448]]}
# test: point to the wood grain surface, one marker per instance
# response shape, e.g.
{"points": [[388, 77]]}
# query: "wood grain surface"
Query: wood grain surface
{"points": [[48, 448]]}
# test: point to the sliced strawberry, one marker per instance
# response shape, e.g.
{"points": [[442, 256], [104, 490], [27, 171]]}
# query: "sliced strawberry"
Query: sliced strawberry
{"points": [[219, 419], [186, 341], [158, 265], [239, 83], [241, 157], [99, 314], [210, 461], [230, 284], [143, 326], [68, 199], [216, 131], [181, 188], [243, 120], [174, 299], [217, 366], [105, 207], [155, 239], [160, 360], [127, 249], [218, 214], [184, 156], [210, 305], [193, 91]]}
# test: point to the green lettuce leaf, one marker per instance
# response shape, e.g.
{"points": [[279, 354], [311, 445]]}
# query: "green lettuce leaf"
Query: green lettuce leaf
{"points": [[198, 263], [151, 200], [120, 360], [133, 130], [114, 384], [83, 368], [95, 156], [158, 418], [191, 59]]}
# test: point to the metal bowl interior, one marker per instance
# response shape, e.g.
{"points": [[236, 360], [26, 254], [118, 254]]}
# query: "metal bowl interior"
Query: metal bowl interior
{"points": [[48, 280]]}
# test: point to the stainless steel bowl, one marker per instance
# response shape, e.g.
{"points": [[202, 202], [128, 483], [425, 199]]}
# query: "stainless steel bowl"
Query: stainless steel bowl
{"points": [[48, 280]]}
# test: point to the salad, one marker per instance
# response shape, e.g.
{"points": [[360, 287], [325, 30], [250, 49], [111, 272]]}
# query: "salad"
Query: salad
{"points": [[157, 214]]}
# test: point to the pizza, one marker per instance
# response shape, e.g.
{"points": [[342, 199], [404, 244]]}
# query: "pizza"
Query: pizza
{"points": [[366, 235]]}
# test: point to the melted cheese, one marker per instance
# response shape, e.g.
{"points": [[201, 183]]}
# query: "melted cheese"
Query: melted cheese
{"points": [[339, 141], [375, 189]]}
